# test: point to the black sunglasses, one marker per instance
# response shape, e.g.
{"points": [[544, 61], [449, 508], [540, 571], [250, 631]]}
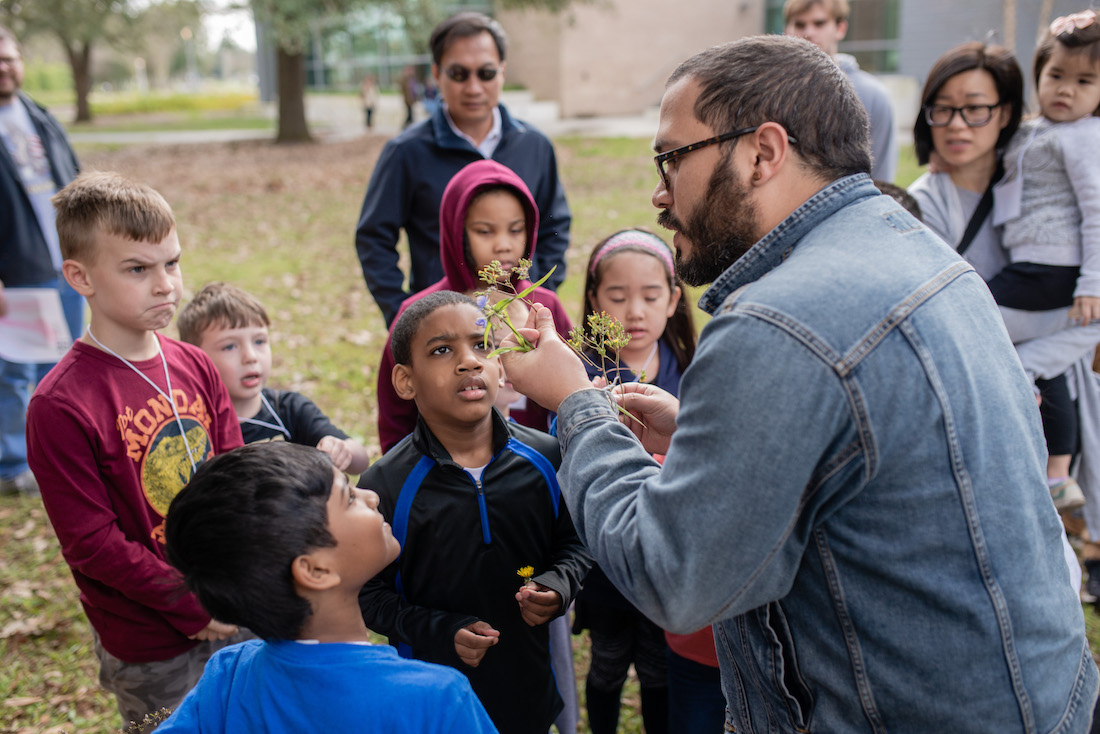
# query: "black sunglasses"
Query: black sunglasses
{"points": [[461, 73]]}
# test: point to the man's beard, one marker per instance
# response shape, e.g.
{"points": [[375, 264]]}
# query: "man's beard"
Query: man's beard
{"points": [[721, 229]]}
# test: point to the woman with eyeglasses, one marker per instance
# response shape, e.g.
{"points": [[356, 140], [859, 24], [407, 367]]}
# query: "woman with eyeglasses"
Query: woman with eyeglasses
{"points": [[971, 106]]}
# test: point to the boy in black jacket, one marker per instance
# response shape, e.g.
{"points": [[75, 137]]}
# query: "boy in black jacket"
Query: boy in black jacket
{"points": [[489, 553]]}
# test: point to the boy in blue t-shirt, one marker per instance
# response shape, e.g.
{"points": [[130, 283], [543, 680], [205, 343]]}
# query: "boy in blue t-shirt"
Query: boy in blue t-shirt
{"points": [[272, 537]]}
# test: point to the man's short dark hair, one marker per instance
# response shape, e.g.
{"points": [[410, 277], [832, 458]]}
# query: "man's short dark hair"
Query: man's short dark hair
{"points": [[240, 522], [465, 25], [408, 323], [789, 81], [1007, 77]]}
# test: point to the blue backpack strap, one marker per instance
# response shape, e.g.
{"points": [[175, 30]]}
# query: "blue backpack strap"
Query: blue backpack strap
{"points": [[545, 468], [401, 524]]}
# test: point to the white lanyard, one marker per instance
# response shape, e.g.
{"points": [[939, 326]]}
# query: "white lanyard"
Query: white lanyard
{"points": [[167, 378], [265, 424]]}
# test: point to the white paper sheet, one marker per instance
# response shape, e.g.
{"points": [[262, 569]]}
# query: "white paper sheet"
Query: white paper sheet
{"points": [[34, 329]]}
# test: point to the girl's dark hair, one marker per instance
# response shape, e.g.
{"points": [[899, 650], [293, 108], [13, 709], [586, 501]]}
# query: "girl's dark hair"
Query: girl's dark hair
{"points": [[679, 331], [236, 528], [1007, 78], [1076, 41]]}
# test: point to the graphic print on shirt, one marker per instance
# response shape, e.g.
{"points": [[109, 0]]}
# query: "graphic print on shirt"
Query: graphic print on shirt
{"points": [[29, 156], [164, 455]]}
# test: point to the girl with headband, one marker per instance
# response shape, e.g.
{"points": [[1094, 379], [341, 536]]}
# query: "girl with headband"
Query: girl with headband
{"points": [[631, 277]]}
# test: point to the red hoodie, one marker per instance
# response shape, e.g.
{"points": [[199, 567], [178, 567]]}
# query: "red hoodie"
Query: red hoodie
{"points": [[397, 417]]}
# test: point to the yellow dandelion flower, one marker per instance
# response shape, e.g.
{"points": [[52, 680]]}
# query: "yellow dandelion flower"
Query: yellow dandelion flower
{"points": [[526, 573]]}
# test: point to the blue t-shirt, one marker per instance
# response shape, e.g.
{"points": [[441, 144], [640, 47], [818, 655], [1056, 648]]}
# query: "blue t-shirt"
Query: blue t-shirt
{"points": [[330, 687]]}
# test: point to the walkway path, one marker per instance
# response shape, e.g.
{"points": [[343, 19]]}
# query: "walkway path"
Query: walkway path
{"points": [[339, 117]]}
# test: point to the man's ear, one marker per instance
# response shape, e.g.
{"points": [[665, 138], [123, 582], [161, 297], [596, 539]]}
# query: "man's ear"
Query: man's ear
{"points": [[841, 30], [772, 152], [76, 275], [402, 382], [312, 571], [435, 74]]}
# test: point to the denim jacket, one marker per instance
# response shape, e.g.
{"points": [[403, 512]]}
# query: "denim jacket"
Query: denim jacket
{"points": [[855, 495]]}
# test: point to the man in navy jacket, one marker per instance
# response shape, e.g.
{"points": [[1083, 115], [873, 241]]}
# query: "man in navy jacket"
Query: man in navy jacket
{"points": [[468, 50], [35, 161]]}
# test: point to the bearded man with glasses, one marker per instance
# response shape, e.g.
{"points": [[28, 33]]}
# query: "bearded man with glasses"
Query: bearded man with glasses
{"points": [[468, 52], [854, 490]]}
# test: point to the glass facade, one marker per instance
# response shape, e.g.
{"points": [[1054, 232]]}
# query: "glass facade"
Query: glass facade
{"points": [[377, 40], [872, 32]]}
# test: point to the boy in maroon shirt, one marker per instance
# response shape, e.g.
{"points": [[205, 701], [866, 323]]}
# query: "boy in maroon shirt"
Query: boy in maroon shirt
{"points": [[114, 432]]}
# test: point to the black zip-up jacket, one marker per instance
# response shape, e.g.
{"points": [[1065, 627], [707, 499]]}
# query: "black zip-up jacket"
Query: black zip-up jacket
{"points": [[463, 543], [24, 256]]}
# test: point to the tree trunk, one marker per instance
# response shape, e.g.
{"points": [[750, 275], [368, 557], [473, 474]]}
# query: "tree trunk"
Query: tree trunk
{"points": [[80, 61], [1009, 20], [292, 98], [1046, 8]]}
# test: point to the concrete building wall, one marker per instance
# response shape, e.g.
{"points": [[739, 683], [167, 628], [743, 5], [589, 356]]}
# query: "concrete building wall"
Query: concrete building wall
{"points": [[534, 51], [928, 28], [613, 57]]}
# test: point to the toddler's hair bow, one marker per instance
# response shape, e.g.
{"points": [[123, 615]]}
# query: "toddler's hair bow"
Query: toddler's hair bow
{"points": [[1070, 23]]}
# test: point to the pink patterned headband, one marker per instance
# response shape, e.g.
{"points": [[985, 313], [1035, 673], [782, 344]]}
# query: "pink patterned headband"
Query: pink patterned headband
{"points": [[1070, 23], [636, 238]]}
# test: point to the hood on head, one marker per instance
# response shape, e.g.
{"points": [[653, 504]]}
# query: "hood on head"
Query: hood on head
{"points": [[463, 187]]}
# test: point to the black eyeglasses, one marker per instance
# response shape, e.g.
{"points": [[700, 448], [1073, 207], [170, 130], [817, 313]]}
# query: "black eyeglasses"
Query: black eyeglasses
{"points": [[662, 159], [974, 115], [460, 73]]}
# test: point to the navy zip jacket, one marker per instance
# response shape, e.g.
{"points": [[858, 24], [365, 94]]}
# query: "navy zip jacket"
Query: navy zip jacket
{"points": [[407, 186], [24, 256], [461, 547]]}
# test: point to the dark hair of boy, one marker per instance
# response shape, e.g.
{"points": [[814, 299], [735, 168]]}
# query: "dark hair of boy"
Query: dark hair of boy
{"points": [[901, 196], [406, 326], [240, 522], [219, 305]]}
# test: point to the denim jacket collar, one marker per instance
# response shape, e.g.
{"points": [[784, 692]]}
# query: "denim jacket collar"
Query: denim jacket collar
{"points": [[777, 245]]}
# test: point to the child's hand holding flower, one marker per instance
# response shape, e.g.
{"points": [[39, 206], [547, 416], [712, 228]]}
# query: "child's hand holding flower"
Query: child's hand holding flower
{"points": [[538, 604]]}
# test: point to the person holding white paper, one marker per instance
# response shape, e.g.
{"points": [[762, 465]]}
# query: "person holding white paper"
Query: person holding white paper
{"points": [[36, 161]]}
